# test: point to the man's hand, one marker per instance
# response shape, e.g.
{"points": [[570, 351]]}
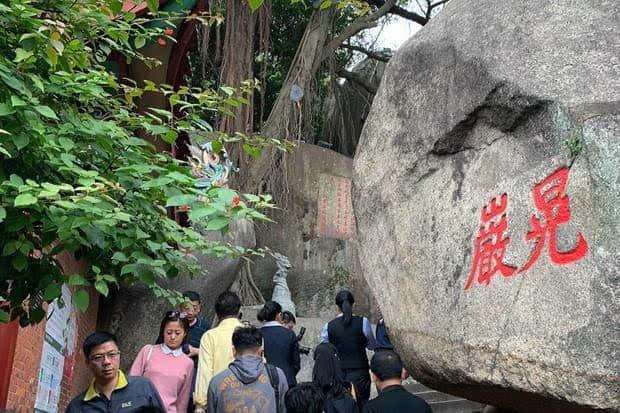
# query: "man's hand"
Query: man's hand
{"points": [[193, 351]]}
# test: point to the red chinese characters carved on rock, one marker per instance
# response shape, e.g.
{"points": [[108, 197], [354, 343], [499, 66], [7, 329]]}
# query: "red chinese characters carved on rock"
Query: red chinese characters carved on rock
{"points": [[550, 199], [490, 245]]}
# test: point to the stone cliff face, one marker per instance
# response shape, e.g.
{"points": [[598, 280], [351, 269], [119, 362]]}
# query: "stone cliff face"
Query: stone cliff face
{"points": [[486, 193], [315, 229]]}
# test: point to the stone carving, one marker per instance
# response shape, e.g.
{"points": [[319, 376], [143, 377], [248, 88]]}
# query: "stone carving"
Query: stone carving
{"points": [[486, 193], [281, 293]]}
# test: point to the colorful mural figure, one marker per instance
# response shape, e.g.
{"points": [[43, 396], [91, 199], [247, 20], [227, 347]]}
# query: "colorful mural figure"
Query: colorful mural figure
{"points": [[209, 167], [491, 243]]}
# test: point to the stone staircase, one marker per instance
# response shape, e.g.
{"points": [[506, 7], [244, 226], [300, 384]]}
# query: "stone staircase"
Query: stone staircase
{"points": [[442, 402], [439, 402]]}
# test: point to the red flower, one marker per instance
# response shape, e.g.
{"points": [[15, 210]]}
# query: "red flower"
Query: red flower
{"points": [[168, 31], [235, 201], [161, 41]]}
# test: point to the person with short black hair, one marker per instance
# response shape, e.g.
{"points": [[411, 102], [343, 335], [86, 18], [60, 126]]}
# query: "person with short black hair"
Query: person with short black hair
{"points": [[110, 389], [280, 343], [216, 350], [351, 335], [248, 384], [197, 327], [288, 320], [386, 369], [304, 398]]}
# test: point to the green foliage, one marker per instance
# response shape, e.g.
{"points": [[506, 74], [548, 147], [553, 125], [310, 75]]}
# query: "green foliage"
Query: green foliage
{"points": [[90, 185]]}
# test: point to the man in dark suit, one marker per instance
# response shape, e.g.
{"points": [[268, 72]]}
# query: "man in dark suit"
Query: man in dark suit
{"points": [[386, 371]]}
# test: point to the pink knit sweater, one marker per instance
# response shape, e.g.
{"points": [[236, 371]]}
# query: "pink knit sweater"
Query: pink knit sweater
{"points": [[171, 375]]}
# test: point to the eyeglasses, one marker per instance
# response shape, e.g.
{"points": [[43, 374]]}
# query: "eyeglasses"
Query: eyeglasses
{"points": [[99, 358]]}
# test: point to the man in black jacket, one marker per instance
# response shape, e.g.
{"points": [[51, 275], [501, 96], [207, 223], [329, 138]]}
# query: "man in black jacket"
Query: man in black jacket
{"points": [[386, 370]]}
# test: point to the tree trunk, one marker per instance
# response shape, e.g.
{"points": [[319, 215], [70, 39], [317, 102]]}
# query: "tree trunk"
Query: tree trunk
{"points": [[288, 119]]}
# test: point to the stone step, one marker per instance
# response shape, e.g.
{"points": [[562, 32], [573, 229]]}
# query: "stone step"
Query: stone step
{"points": [[442, 402], [456, 406]]}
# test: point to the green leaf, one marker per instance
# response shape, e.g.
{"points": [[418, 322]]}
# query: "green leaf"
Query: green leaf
{"points": [[24, 200], [21, 141], [10, 247], [255, 4], [116, 6], [139, 42], [4, 316], [325, 4], [21, 54], [81, 299], [217, 224], [2, 213], [19, 263], [153, 5], [102, 287], [119, 256], [16, 101], [181, 200], [52, 291], [66, 143], [77, 279], [6, 109], [46, 111]]}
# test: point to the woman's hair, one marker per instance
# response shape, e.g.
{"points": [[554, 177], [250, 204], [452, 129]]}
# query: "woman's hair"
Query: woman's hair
{"points": [[327, 373], [344, 301], [269, 311], [304, 398], [170, 317], [288, 317]]}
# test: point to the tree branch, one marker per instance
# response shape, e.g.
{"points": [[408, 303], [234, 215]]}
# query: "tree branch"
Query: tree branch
{"points": [[373, 55], [399, 11], [439, 3], [364, 22], [355, 78]]}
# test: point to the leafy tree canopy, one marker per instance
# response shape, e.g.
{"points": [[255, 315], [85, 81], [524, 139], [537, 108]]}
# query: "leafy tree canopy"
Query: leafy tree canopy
{"points": [[76, 173]]}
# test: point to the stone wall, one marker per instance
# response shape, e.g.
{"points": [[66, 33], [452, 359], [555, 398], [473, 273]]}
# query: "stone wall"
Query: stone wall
{"points": [[316, 230]]}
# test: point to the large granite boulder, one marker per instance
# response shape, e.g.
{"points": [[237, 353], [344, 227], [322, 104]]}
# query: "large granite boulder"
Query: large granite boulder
{"points": [[134, 313], [487, 194]]}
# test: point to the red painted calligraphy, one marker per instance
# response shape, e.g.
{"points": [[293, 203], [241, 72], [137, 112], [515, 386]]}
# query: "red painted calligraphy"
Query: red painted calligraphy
{"points": [[554, 209], [550, 199], [491, 244]]}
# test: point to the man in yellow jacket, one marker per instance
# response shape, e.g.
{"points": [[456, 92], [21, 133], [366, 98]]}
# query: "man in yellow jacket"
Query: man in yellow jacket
{"points": [[216, 348]]}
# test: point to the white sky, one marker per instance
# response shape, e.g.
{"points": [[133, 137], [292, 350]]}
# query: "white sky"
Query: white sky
{"points": [[394, 33]]}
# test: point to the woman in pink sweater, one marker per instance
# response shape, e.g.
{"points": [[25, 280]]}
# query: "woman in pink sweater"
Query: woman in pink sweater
{"points": [[165, 364]]}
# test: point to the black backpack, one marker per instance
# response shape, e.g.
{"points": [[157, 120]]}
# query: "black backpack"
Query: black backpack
{"points": [[274, 378]]}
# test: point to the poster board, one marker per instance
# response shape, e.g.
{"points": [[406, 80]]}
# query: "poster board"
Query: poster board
{"points": [[58, 331]]}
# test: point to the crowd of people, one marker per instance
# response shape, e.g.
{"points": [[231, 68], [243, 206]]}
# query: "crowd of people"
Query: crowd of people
{"points": [[236, 367]]}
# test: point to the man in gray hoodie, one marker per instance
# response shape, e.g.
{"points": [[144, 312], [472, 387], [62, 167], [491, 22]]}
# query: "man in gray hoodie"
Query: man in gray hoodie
{"points": [[246, 385]]}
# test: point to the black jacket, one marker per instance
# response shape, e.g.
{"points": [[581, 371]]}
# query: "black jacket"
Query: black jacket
{"points": [[282, 350], [395, 399], [342, 404], [350, 342]]}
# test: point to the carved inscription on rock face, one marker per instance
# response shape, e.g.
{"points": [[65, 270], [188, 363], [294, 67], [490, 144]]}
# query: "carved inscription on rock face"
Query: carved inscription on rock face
{"points": [[553, 207], [335, 211]]}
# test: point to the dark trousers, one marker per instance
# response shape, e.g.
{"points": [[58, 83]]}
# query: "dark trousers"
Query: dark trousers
{"points": [[361, 382]]}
